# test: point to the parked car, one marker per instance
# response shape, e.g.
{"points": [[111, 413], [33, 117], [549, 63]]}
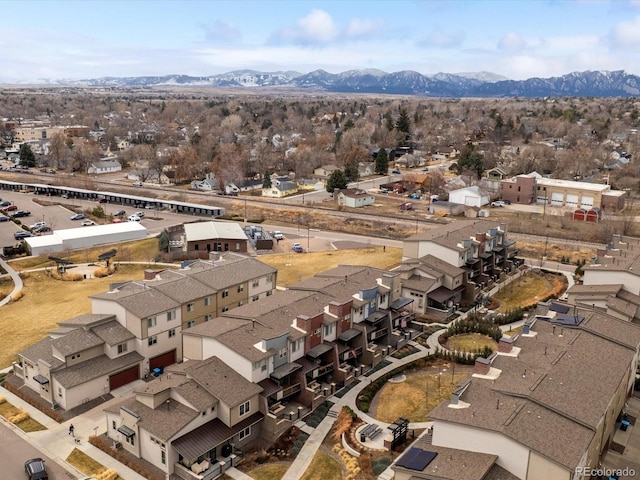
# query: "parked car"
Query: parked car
{"points": [[11, 208], [65, 195], [277, 234], [507, 202], [119, 213], [139, 214], [296, 247], [42, 229], [78, 216], [134, 218], [396, 171], [5, 204], [117, 220], [88, 223], [35, 469], [3, 218], [498, 203], [21, 234], [406, 206], [21, 213], [37, 225]]}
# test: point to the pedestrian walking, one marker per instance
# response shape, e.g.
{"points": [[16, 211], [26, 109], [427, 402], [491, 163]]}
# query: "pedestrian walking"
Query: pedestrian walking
{"points": [[71, 430], [384, 248]]}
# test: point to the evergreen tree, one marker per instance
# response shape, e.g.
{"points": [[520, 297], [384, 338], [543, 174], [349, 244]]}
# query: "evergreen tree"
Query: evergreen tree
{"points": [[336, 180], [27, 157], [388, 118], [471, 160], [351, 171], [382, 162], [404, 124], [266, 181]]}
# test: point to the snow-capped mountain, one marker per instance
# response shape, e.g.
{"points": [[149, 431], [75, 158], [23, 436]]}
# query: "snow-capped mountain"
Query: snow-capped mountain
{"points": [[480, 84]]}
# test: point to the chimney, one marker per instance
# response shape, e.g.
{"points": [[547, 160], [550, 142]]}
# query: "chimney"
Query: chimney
{"points": [[482, 366], [150, 274], [505, 345], [214, 256]]}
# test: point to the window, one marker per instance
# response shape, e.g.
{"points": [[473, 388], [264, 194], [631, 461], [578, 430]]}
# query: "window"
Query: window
{"points": [[262, 365], [316, 332], [269, 292], [225, 293], [241, 288], [172, 332], [282, 353], [171, 315], [225, 308], [207, 301], [163, 457], [245, 408], [114, 425], [255, 284], [240, 303], [295, 345], [270, 278], [191, 323], [255, 298], [130, 440], [190, 307], [328, 329], [237, 245], [207, 317], [122, 348], [244, 433], [152, 340], [151, 322]]}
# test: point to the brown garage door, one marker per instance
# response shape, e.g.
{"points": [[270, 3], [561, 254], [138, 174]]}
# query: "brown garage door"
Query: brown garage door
{"points": [[124, 377], [163, 360]]}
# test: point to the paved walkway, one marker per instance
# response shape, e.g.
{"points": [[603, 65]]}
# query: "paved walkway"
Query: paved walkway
{"points": [[17, 282]]}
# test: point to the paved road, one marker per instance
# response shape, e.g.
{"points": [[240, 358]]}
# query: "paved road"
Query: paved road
{"points": [[14, 451]]}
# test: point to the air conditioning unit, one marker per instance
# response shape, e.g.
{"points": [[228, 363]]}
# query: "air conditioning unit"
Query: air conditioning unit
{"points": [[226, 450]]}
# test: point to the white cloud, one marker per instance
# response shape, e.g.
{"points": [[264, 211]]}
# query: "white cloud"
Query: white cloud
{"points": [[626, 34], [511, 42], [316, 28], [362, 27]]}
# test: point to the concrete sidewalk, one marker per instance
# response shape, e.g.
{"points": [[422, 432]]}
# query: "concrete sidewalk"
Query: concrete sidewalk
{"points": [[56, 443]]}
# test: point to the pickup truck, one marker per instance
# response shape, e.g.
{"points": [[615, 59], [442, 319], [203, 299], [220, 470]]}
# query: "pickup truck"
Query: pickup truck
{"points": [[277, 235]]}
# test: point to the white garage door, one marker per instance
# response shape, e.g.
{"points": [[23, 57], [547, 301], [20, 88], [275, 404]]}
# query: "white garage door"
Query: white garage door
{"points": [[557, 198], [572, 200], [587, 203]]}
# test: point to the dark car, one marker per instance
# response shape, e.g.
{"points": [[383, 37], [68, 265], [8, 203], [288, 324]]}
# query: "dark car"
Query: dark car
{"points": [[78, 216], [3, 218], [21, 213], [396, 171], [35, 469], [6, 203], [10, 208], [22, 234], [42, 229], [119, 213]]}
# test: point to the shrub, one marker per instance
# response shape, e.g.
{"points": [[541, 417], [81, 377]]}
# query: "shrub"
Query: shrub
{"points": [[17, 296], [380, 465]]}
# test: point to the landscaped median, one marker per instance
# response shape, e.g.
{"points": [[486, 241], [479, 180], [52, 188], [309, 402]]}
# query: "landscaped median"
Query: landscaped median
{"points": [[87, 465], [19, 417]]}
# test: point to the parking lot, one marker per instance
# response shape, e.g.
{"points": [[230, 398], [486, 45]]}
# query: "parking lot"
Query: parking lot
{"points": [[58, 214]]}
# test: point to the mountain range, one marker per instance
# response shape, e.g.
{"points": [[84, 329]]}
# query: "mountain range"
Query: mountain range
{"points": [[482, 84]]}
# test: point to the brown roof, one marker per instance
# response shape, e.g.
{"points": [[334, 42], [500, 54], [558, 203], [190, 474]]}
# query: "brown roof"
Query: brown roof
{"points": [[112, 333], [86, 320], [591, 289], [453, 233], [95, 368], [553, 395], [163, 422], [226, 274], [195, 396], [76, 341], [222, 381], [41, 351], [140, 299], [440, 266]]}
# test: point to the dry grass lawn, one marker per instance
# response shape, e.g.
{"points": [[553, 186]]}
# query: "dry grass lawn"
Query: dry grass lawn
{"points": [[46, 302], [323, 467], [28, 425], [86, 464], [269, 472], [528, 290], [293, 268], [471, 342], [410, 400]]}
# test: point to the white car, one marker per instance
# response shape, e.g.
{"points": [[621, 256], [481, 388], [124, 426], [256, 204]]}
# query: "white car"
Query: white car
{"points": [[277, 234], [38, 225], [88, 223], [139, 214], [498, 203], [134, 218]]}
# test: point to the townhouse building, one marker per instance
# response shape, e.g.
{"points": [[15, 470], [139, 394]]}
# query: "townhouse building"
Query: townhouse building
{"points": [[546, 404], [300, 346], [150, 316], [481, 249], [611, 281], [191, 422]]}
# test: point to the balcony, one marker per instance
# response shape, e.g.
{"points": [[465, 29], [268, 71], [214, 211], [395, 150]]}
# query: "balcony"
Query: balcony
{"points": [[352, 353], [288, 391], [322, 370], [382, 332]]}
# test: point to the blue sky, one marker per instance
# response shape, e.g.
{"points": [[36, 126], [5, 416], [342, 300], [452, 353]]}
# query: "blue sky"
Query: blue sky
{"points": [[516, 39]]}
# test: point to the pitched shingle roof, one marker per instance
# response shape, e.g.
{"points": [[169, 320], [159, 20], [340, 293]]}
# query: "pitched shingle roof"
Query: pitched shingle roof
{"points": [[94, 368]]}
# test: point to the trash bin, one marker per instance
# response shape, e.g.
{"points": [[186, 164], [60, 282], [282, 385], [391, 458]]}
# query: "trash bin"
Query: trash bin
{"points": [[624, 424], [363, 438]]}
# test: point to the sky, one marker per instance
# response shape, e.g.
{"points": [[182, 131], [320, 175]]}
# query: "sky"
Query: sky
{"points": [[517, 39]]}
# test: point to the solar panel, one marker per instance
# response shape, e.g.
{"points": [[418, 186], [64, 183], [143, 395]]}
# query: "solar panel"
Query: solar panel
{"points": [[556, 307], [568, 319], [416, 459]]}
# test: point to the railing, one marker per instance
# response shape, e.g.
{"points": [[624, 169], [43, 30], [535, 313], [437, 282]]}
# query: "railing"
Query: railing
{"points": [[214, 471], [378, 333], [322, 370], [288, 391]]}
